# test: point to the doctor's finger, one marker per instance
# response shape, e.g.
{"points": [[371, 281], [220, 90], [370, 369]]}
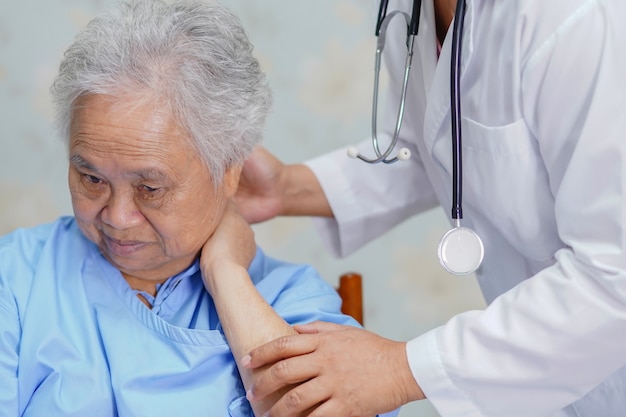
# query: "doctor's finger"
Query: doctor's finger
{"points": [[281, 348], [283, 374], [319, 326], [303, 400], [335, 409]]}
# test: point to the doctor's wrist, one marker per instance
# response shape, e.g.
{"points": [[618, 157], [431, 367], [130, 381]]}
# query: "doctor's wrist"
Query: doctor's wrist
{"points": [[302, 193]]}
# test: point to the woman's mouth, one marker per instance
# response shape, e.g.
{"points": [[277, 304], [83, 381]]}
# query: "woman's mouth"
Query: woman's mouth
{"points": [[123, 248]]}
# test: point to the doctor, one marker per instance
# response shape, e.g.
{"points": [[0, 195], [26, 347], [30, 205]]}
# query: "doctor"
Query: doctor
{"points": [[543, 89]]}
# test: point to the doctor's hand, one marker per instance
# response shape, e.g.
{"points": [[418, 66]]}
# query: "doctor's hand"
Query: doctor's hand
{"points": [[259, 196], [270, 188], [344, 371]]}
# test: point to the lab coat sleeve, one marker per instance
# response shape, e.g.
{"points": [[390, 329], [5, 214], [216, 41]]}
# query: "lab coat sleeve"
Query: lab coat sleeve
{"points": [[367, 200], [555, 337]]}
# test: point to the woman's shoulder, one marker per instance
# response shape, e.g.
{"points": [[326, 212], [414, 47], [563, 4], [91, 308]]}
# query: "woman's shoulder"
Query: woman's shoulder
{"points": [[265, 265], [21, 251], [297, 291], [275, 277], [25, 240]]}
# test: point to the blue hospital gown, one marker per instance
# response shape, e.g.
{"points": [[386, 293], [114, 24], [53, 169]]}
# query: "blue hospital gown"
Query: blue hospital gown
{"points": [[75, 340]]}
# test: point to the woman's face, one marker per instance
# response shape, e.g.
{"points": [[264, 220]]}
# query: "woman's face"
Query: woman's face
{"points": [[139, 190]]}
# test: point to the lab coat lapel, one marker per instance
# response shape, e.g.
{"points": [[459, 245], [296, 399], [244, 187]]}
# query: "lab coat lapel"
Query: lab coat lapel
{"points": [[437, 130], [427, 48]]}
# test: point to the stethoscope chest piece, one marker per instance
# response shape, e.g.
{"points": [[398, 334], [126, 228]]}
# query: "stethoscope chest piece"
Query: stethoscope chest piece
{"points": [[461, 251]]}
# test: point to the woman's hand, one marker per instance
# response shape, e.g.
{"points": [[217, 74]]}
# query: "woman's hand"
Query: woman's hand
{"points": [[343, 371], [232, 244]]}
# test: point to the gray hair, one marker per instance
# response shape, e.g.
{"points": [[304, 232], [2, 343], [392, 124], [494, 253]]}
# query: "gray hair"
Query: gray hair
{"points": [[191, 55]]}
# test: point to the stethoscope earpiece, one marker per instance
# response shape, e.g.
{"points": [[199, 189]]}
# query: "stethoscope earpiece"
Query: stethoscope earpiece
{"points": [[460, 251], [353, 152], [404, 154]]}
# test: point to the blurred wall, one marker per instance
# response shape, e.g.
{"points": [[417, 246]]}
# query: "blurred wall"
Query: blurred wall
{"points": [[318, 55]]}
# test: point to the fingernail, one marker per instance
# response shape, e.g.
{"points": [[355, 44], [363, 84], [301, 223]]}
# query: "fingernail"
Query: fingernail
{"points": [[249, 395], [245, 361]]}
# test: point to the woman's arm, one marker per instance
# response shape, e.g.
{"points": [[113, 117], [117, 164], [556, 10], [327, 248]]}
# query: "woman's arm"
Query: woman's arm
{"points": [[247, 319]]}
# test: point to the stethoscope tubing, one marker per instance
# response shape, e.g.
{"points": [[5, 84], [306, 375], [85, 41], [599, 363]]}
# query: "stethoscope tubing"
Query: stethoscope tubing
{"points": [[382, 22], [460, 250], [455, 114], [380, 45], [413, 24]]}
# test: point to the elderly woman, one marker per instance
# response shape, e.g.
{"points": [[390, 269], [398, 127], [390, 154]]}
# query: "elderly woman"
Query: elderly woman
{"points": [[127, 307]]}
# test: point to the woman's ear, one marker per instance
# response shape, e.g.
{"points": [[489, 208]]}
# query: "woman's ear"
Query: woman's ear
{"points": [[231, 180]]}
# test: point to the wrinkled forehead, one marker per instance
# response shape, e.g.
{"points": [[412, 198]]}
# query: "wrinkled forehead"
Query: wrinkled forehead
{"points": [[120, 126], [138, 113], [124, 103]]}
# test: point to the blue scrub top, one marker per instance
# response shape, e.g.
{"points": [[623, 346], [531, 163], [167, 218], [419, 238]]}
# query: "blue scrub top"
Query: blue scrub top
{"points": [[75, 340]]}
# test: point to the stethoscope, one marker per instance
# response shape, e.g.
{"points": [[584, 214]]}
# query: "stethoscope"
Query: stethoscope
{"points": [[460, 250]]}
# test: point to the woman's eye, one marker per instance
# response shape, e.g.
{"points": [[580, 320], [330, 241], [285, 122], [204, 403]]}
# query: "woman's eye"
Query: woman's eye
{"points": [[149, 189], [150, 194], [92, 179]]}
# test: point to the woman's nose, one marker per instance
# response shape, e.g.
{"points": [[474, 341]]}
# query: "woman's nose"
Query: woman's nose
{"points": [[121, 212]]}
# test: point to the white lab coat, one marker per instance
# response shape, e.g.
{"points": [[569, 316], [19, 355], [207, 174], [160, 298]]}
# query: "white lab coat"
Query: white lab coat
{"points": [[544, 149]]}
